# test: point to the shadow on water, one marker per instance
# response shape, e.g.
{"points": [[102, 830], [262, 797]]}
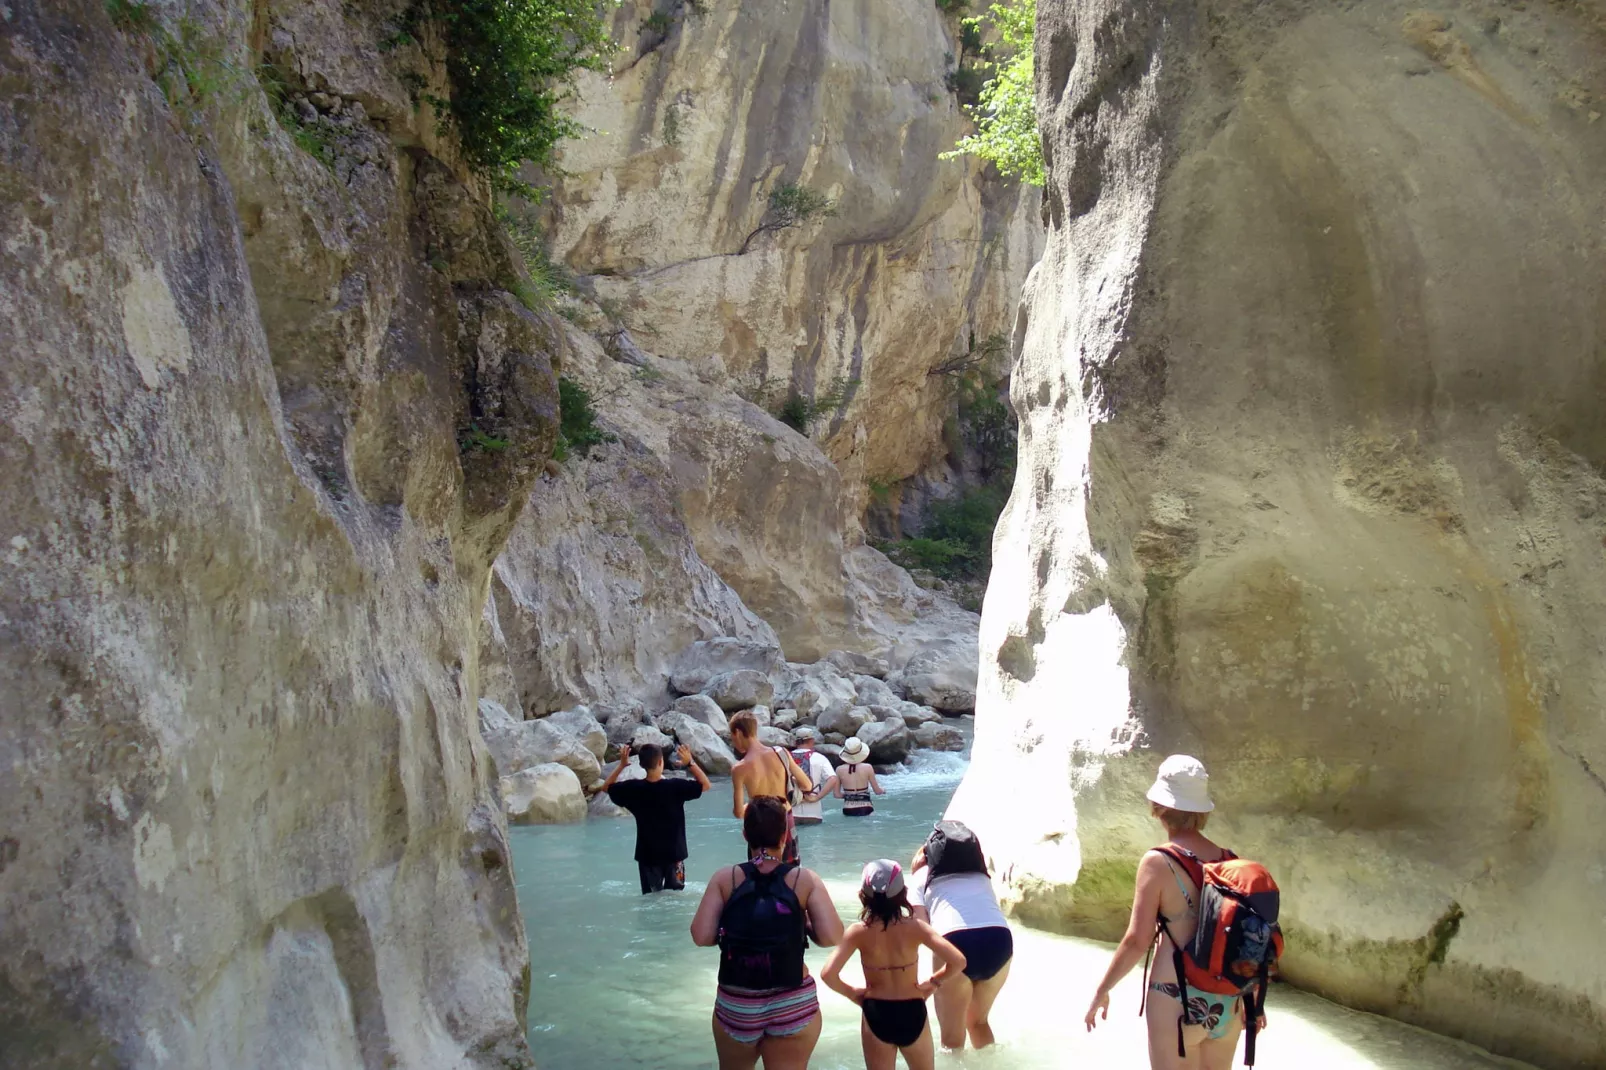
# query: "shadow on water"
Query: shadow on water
{"points": [[616, 981]]}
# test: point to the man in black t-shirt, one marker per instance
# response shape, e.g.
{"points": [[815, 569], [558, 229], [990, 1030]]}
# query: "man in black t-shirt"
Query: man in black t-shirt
{"points": [[659, 807]]}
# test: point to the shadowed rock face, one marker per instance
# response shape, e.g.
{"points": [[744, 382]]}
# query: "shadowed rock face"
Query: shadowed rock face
{"points": [[247, 813], [1311, 487]]}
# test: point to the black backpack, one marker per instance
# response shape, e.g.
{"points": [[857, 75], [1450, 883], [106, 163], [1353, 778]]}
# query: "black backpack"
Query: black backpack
{"points": [[761, 932], [952, 848]]}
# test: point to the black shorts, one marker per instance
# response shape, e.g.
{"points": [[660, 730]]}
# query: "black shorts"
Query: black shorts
{"points": [[987, 950], [662, 876]]}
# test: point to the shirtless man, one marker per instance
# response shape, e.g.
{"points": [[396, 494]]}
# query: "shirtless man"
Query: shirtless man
{"points": [[763, 771]]}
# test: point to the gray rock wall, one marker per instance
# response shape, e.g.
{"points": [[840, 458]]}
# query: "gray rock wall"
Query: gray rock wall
{"points": [[1310, 381], [246, 818]]}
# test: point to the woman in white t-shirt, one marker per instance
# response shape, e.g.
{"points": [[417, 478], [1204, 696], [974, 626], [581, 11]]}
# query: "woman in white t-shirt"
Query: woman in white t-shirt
{"points": [[949, 886]]}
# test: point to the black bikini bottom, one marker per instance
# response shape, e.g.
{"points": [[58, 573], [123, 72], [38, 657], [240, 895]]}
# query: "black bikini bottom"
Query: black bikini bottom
{"points": [[898, 1022]]}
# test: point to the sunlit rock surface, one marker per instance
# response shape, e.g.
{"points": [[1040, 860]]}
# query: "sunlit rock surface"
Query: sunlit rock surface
{"points": [[245, 814], [1310, 382]]}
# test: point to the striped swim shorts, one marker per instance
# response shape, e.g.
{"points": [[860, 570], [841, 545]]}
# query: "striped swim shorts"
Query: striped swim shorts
{"points": [[750, 1016]]}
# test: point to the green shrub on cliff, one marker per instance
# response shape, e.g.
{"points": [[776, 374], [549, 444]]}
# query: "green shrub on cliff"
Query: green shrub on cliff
{"points": [[511, 64], [577, 422], [1006, 112]]}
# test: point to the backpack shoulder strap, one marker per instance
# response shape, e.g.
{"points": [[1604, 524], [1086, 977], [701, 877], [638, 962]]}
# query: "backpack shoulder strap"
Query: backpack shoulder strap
{"points": [[1187, 860]]}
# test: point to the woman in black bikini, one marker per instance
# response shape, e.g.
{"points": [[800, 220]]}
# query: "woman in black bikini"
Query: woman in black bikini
{"points": [[888, 940]]}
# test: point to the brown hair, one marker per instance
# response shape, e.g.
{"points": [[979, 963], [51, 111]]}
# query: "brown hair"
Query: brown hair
{"points": [[883, 907], [764, 823], [1179, 820], [651, 755], [745, 722]]}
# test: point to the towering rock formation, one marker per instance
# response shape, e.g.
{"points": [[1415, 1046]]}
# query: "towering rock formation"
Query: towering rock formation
{"points": [[1310, 383], [246, 818]]}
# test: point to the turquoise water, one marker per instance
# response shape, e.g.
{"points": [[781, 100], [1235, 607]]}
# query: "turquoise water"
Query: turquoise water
{"points": [[617, 982]]}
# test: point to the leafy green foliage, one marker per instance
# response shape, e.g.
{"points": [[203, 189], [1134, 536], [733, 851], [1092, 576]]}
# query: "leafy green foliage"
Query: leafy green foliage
{"points": [[1006, 111], [791, 205], [511, 64], [957, 540], [799, 412], [672, 124], [577, 422], [545, 279], [476, 439], [191, 66], [311, 137], [952, 7], [658, 22]]}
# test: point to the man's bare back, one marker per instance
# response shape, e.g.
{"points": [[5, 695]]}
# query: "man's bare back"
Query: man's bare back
{"points": [[762, 770]]}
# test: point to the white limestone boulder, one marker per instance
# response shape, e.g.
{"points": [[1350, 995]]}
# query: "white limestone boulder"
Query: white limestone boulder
{"points": [[739, 690], [546, 794], [889, 741], [704, 660]]}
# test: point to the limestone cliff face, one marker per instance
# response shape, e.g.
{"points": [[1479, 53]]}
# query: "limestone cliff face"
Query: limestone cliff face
{"points": [[1310, 385], [714, 106], [248, 818]]}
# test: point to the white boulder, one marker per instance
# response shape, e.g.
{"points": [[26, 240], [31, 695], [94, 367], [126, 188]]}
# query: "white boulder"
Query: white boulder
{"points": [[546, 794]]}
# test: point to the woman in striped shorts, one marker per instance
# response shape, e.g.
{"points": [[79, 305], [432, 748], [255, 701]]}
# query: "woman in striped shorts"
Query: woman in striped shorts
{"points": [[759, 913]]}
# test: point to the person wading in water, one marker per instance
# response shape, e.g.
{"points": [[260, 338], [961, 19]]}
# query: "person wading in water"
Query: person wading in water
{"points": [[658, 804], [888, 940], [855, 779], [811, 811], [765, 772], [766, 1006]]}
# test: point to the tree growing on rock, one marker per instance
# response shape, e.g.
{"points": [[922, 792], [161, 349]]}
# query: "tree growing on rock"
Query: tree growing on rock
{"points": [[791, 205], [1006, 112]]}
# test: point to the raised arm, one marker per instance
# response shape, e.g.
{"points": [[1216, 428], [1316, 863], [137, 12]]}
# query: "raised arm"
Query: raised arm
{"points": [[624, 760], [1152, 872], [831, 974], [705, 923], [952, 959], [684, 753]]}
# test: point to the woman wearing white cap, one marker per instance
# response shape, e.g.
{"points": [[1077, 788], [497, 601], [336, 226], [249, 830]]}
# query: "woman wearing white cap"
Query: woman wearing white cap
{"points": [[888, 939], [1210, 1024], [855, 779]]}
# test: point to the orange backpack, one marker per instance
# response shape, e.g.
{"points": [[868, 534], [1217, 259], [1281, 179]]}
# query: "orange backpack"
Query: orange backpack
{"points": [[1237, 941]]}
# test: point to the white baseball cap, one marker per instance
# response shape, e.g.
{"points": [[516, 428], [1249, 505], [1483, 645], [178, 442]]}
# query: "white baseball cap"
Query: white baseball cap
{"points": [[1182, 784]]}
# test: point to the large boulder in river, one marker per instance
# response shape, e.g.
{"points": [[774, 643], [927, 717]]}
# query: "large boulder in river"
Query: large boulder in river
{"points": [[820, 690], [934, 735], [915, 715], [845, 722], [579, 724], [704, 709], [645, 734], [1313, 487], [740, 690], [547, 794], [849, 663], [889, 741], [873, 691], [702, 661], [705, 745], [941, 675], [775, 737], [518, 744]]}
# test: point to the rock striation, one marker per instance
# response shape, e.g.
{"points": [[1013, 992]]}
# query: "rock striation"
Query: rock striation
{"points": [[1310, 383], [245, 549]]}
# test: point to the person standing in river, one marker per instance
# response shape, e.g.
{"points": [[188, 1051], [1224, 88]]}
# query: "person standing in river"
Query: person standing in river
{"points": [[759, 913], [1203, 1034], [888, 939], [658, 804], [855, 779], [765, 772], [811, 811]]}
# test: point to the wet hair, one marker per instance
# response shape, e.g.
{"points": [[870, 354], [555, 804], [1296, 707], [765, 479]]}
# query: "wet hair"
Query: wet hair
{"points": [[879, 906], [651, 755], [1179, 820], [764, 823], [744, 722]]}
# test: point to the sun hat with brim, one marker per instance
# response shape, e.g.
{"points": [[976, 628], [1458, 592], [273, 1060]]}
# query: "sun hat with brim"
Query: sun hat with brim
{"points": [[883, 877], [1182, 784], [854, 750]]}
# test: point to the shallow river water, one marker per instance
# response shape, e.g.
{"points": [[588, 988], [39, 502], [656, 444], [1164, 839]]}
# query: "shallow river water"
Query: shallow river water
{"points": [[616, 981]]}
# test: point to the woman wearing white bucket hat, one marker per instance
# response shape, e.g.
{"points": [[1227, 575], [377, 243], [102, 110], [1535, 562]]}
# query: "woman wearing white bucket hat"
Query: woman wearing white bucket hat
{"points": [[1166, 892], [855, 779]]}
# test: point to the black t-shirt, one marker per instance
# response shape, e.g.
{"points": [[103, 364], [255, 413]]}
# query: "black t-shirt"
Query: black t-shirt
{"points": [[659, 807]]}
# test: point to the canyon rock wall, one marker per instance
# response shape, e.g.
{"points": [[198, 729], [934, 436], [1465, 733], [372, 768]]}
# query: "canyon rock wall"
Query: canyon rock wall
{"points": [[248, 820], [1310, 382], [711, 108]]}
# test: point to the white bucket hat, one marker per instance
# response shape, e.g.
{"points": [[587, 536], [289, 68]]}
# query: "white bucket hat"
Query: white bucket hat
{"points": [[854, 750], [1182, 785]]}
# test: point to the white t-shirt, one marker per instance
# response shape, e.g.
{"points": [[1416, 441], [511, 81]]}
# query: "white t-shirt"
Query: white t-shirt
{"points": [[957, 901], [819, 771]]}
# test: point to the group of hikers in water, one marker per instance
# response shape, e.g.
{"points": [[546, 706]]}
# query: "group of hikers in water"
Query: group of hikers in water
{"points": [[1210, 916]]}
